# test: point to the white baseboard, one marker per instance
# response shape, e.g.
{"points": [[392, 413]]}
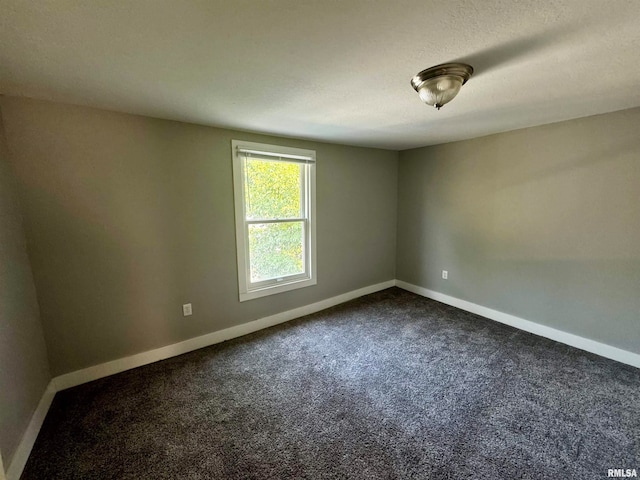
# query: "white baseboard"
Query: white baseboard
{"points": [[576, 341], [21, 454], [116, 366], [85, 375], [72, 379]]}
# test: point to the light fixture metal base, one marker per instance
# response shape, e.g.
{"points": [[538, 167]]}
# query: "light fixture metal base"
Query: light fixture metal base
{"points": [[439, 85], [461, 70]]}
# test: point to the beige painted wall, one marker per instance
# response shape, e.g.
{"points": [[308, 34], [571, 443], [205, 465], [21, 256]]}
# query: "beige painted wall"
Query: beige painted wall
{"points": [[24, 369], [129, 217], [542, 223]]}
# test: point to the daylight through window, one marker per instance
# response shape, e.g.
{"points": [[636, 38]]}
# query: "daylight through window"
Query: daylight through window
{"points": [[274, 190]]}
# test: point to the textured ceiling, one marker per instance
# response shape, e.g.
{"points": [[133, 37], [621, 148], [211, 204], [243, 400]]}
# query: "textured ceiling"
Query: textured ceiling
{"points": [[329, 70]]}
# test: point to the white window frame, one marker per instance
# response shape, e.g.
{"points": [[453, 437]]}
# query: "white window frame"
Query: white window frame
{"points": [[249, 290]]}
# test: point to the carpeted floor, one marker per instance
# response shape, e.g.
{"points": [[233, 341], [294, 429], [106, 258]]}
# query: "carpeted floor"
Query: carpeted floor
{"points": [[388, 386]]}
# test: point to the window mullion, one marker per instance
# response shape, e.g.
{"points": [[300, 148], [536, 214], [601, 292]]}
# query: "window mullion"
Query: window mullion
{"points": [[275, 220]]}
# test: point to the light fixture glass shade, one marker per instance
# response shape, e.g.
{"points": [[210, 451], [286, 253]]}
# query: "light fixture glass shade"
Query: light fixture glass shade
{"points": [[440, 90], [438, 85]]}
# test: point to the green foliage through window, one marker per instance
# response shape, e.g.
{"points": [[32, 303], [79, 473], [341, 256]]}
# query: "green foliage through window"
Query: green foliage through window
{"points": [[273, 190], [275, 250]]}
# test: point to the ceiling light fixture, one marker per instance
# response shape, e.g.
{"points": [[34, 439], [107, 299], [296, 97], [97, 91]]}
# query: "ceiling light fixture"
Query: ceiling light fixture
{"points": [[438, 85]]}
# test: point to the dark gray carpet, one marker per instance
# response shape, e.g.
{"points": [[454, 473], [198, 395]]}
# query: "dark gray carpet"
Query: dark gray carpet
{"points": [[389, 386]]}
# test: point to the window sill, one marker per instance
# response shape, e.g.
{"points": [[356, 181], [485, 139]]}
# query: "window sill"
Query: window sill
{"points": [[275, 289]]}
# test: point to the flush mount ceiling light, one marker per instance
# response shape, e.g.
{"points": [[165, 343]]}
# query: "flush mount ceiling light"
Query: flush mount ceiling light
{"points": [[439, 85]]}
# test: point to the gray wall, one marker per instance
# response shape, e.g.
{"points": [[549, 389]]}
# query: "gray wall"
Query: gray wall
{"points": [[129, 217], [542, 223], [24, 370]]}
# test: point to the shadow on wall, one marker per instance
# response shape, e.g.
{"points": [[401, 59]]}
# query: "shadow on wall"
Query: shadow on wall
{"points": [[556, 199], [583, 207], [540, 223], [578, 156], [108, 280]]}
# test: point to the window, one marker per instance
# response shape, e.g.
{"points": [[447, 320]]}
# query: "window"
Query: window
{"points": [[274, 191]]}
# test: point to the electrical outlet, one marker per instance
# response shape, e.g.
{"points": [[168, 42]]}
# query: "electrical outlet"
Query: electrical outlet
{"points": [[445, 274], [186, 309]]}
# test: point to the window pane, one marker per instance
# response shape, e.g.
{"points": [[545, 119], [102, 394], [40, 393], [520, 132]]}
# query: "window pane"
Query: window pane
{"points": [[275, 250], [272, 189]]}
